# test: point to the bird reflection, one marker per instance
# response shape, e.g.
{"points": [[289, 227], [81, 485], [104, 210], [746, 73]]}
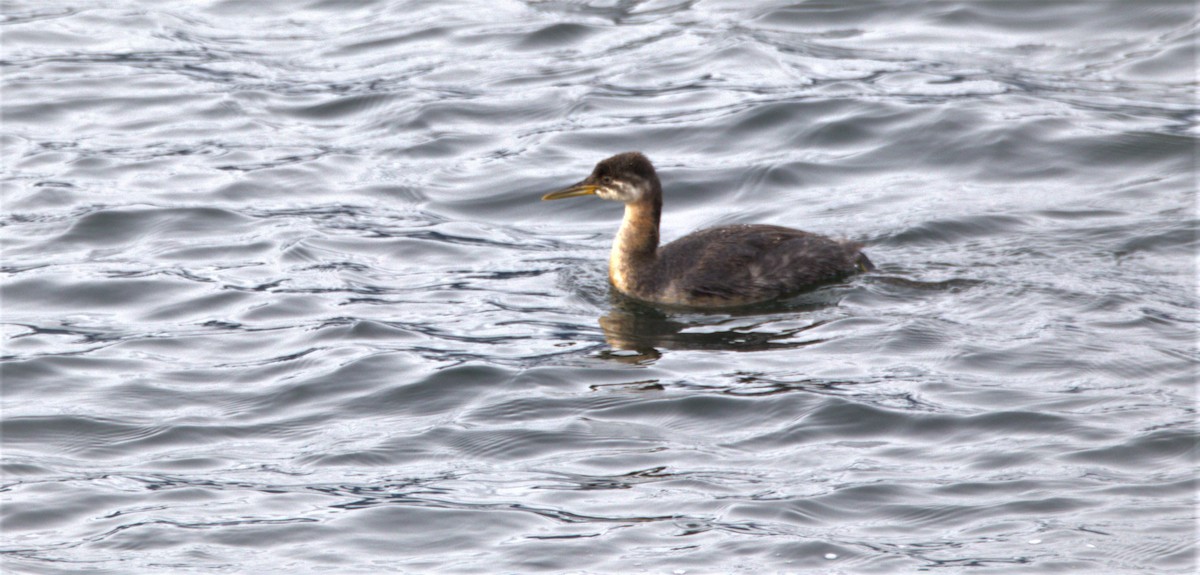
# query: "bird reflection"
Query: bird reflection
{"points": [[637, 332]]}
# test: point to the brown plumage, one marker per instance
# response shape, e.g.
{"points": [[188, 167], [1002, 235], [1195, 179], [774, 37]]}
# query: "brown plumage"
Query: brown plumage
{"points": [[715, 267]]}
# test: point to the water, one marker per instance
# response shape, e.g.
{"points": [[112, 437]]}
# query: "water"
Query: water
{"points": [[279, 294]]}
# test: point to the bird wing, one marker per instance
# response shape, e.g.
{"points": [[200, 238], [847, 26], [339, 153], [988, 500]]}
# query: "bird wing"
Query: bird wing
{"points": [[756, 262]]}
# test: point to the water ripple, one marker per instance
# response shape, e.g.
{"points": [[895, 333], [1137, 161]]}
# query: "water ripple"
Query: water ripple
{"points": [[279, 292]]}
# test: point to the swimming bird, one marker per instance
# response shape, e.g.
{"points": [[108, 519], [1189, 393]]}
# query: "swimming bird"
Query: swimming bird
{"points": [[715, 267]]}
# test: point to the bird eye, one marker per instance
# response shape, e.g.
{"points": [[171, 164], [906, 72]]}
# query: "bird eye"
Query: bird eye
{"points": [[607, 180]]}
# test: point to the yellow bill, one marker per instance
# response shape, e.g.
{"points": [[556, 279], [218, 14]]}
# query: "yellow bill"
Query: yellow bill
{"points": [[572, 192]]}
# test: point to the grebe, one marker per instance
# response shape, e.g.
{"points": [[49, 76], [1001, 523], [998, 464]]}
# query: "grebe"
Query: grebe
{"points": [[715, 267]]}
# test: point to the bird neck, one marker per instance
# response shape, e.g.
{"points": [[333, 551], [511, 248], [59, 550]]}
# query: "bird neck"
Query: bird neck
{"points": [[635, 248]]}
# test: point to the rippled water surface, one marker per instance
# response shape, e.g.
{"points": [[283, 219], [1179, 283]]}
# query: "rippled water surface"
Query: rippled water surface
{"points": [[279, 294]]}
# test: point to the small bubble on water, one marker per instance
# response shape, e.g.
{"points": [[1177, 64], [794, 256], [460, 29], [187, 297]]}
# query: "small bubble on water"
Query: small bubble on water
{"points": [[831, 555], [1034, 541]]}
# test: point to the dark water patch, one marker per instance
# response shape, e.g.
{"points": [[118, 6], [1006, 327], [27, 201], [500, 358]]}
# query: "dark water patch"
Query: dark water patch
{"points": [[556, 36], [348, 379], [1177, 237], [958, 230], [437, 393], [383, 44], [515, 411], [822, 15], [110, 227], [1147, 450], [89, 295], [1151, 16], [842, 420]]}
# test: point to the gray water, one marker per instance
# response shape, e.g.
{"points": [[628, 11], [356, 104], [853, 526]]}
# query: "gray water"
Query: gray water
{"points": [[279, 295]]}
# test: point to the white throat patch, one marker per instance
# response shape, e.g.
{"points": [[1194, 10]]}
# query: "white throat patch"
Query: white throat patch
{"points": [[620, 191]]}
